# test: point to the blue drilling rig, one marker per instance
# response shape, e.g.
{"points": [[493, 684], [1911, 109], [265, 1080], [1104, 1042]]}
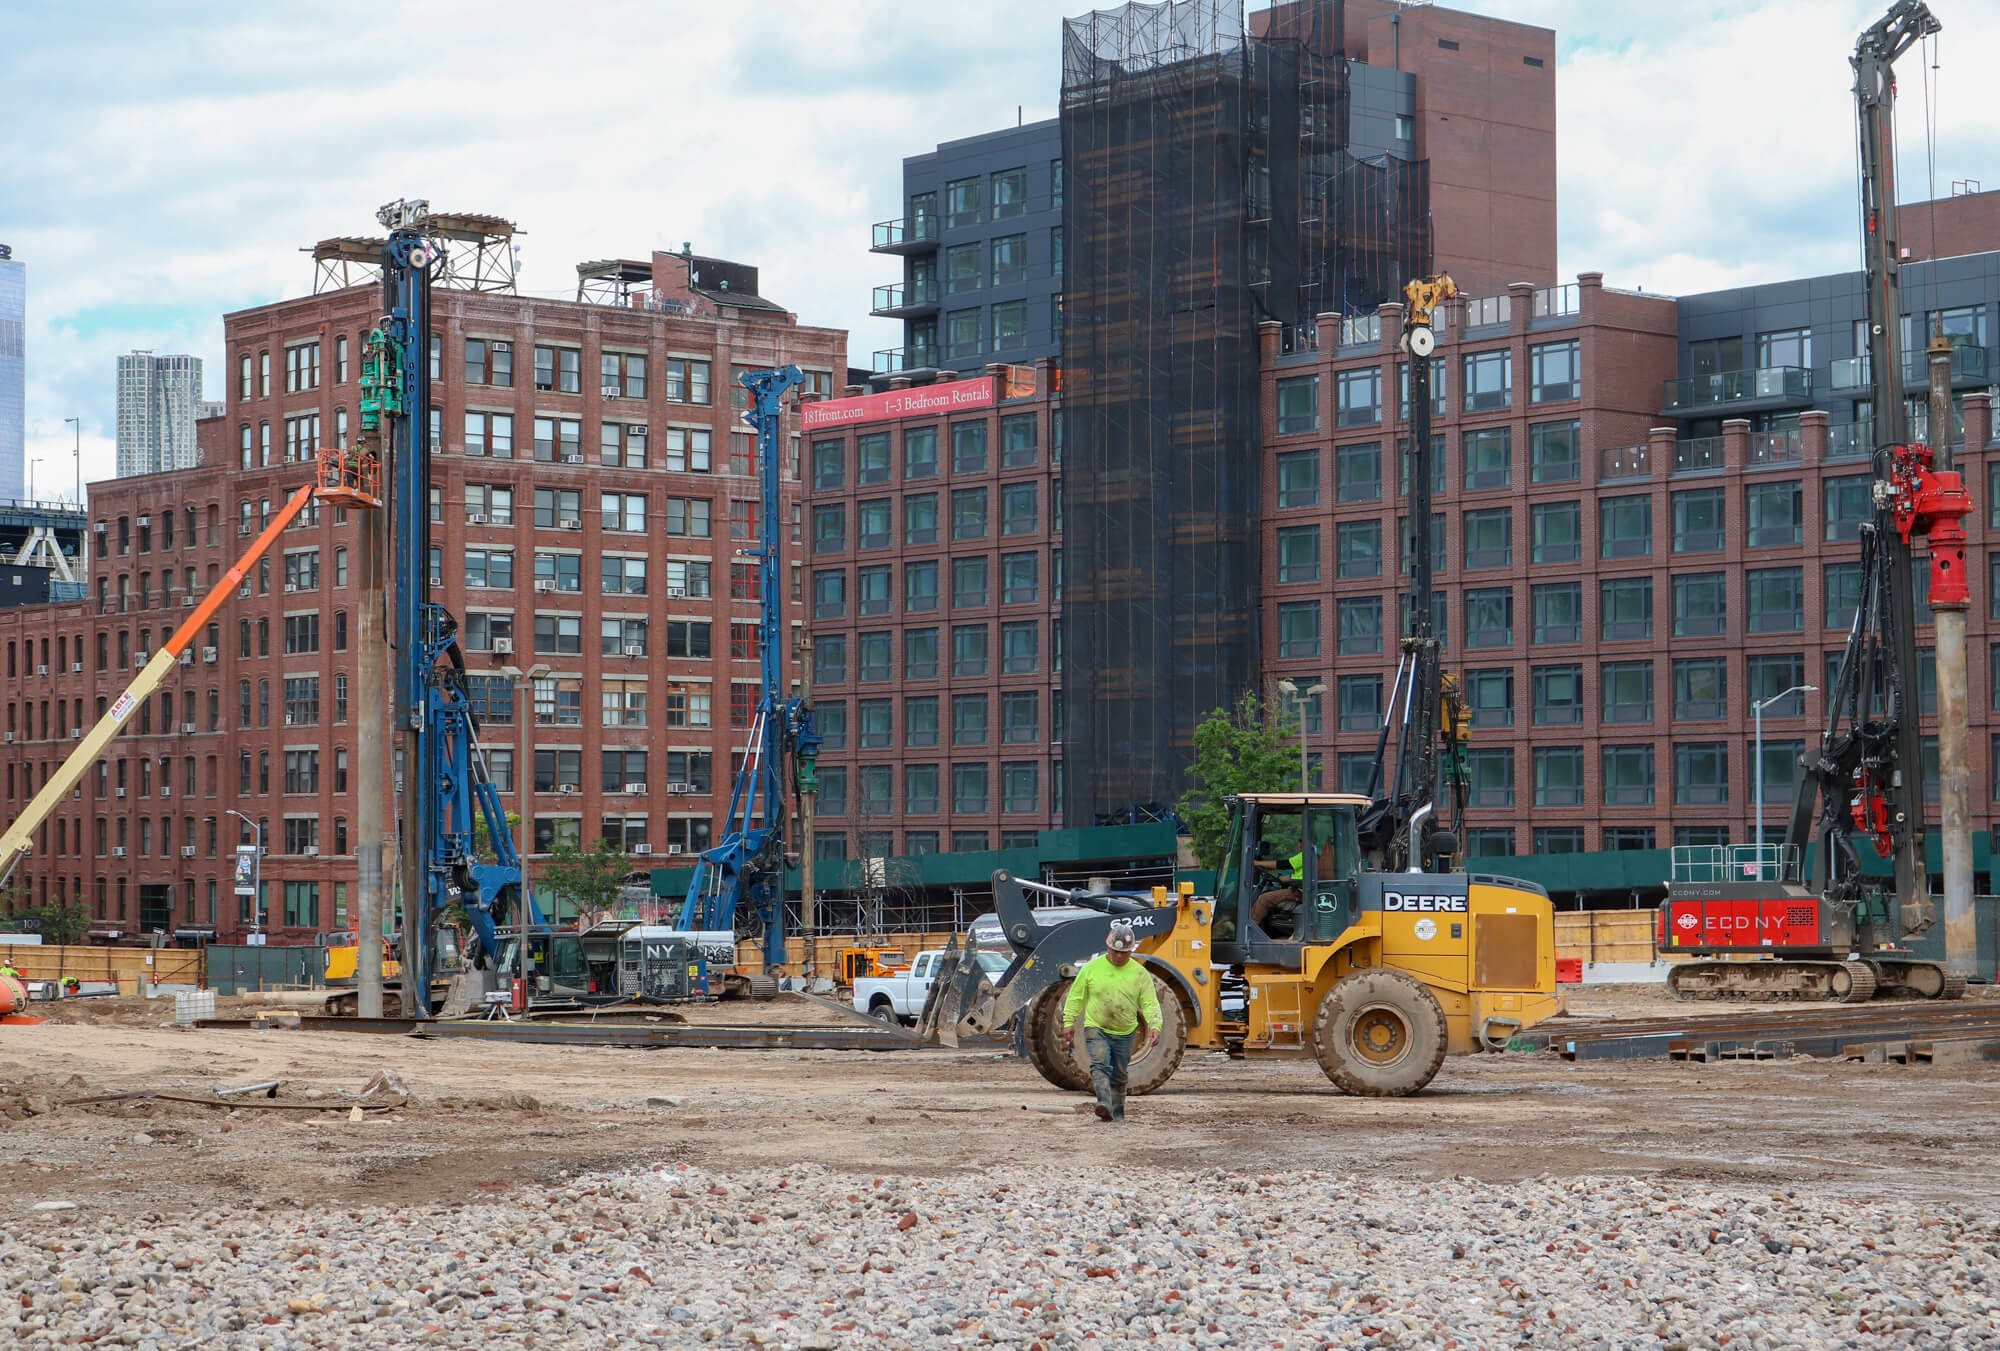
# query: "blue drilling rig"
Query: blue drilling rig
{"points": [[742, 878]]}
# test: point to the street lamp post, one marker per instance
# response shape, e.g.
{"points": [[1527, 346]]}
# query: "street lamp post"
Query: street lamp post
{"points": [[1758, 708], [78, 423], [1292, 692], [256, 873]]}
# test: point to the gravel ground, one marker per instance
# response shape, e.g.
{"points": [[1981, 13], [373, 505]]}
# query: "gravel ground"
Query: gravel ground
{"points": [[1051, 1257]]}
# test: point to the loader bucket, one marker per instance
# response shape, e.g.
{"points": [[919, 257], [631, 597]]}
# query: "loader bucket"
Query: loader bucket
{"points": [[956, 991]]}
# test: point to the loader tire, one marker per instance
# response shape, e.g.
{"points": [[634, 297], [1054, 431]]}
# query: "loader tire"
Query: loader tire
{"points": [[1052, 1052], [1379, 1034], [1048, 1048]]}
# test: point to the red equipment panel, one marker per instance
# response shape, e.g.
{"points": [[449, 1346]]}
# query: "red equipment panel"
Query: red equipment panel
{"points": [[1741, 922]]}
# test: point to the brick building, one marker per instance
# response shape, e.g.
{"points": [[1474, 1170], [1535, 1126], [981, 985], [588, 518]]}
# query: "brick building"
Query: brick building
{"points": [[936, 578], [592, 486]]}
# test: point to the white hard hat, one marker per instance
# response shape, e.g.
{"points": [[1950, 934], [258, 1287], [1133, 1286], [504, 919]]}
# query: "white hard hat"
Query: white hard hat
{"points": [[1121, 938]]}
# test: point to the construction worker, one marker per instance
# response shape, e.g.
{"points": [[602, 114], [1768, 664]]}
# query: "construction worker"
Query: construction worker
{"points": [[1109, 1000], [7, 969]]}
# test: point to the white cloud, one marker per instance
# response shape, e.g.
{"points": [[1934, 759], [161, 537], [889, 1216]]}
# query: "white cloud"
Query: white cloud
{"points": [[168, 171]]}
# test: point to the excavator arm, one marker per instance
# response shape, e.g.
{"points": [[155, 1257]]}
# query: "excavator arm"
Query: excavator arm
{"points": [[19, 837]]}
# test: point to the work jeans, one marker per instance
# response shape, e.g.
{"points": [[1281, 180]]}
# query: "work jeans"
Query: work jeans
{"points": [[1110, 1057]]}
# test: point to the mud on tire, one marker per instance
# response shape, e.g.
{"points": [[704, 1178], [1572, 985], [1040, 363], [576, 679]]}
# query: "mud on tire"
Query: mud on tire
{"points": [[1379, 1034]]}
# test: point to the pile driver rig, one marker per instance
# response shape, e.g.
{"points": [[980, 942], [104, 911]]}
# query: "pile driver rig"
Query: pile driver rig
{"points": [[741, 880], [1824, 928]]}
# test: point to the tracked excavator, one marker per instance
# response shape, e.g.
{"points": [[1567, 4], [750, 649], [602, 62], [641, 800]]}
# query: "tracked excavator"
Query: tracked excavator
{"points": [[1326, 936], [1801, 919]]}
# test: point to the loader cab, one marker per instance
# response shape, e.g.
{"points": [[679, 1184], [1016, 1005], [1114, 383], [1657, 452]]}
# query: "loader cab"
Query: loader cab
{"points": [[1288, 878]]}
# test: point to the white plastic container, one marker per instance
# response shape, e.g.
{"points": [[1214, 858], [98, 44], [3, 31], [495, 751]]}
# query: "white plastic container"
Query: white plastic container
{"points": [[190, 1005]]}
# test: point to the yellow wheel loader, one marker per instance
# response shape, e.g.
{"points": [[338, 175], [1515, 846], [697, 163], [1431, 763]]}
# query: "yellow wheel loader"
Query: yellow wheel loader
{"points": [[1376, 975]]}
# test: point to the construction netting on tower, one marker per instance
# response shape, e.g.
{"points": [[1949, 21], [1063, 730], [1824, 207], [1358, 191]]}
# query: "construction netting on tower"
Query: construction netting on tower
{"points": [[1210, 186]]}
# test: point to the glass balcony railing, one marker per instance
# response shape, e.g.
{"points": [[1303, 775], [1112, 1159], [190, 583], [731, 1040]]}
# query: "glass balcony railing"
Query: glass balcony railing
{"points": [[905, 296], [1850, 441], [1488, 311], [1693, 454], [894, 360], [1555, 301], [1792, 384], [1780, 447], [1852, 373], [896, 235], [1967, 364], [1614, 462], [1362, 329]]}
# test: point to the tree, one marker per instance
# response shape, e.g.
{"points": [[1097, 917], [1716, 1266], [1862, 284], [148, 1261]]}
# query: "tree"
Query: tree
{"points": [[59, 922], [1249, 749], [584, 881], [482, 839]]}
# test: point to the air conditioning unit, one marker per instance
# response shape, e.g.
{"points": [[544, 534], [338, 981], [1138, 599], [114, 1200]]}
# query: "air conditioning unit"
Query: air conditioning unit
{"points": [[119, 791], [42, 669], [635, 650], [10, 736], [567, 790], [680, 789], [569, 525], [677, 592], [545, 586], [310, 851], [118, 850], [141, 656], [208, 654], [572, 459], [76, 733], [636, 433], [145, 521], [291, 587], [642, 848], [187, 851], [101, 527], [187, 728], [187, 658], [503, 647], [288, 720], [673, 849], [610, 392], [635, 790], [476, 518], [187, 602], [244, 591], [243, 528], [76, 668]]}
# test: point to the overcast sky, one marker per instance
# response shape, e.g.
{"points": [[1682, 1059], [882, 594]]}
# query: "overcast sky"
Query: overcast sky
{"points": [[163, 165]]}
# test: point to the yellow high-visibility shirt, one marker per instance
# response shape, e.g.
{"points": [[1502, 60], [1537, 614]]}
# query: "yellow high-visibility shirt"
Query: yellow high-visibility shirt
{"points": [[1112, 998]]}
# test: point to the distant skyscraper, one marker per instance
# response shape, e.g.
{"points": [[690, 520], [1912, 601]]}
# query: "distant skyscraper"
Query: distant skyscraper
{"points": [[159, 399], [13, 374]]}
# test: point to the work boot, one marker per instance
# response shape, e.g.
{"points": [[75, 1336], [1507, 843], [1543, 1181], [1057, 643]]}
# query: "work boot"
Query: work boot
{"points": [[1103, 1112], [1118, 1116]]}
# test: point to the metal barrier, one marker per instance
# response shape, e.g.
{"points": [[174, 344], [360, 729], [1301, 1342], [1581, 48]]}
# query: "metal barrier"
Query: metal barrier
{"points": [[233, 970]]}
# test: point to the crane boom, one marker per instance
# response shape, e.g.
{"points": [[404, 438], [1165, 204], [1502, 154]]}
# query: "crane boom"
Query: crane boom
{"points": [[19, 837]]}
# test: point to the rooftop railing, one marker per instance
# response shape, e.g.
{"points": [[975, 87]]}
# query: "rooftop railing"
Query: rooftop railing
{"points": [[1616, 462], [1791, 383]]}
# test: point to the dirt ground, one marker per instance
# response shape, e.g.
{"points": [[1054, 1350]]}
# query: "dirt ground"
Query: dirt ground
{"points": [[482, 1118]]}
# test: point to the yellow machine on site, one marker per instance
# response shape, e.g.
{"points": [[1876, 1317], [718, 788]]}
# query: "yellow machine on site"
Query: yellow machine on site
{"points": [[1376, 975]]}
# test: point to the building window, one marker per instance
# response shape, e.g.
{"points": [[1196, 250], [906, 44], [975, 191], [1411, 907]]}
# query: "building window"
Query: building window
{"points": [[1698, 521], [687, 381], [559, 370], [1360, 702], [1555, 452], [1558, 616], [1848, 502], [962, 333], [1775, 514], [1558, 694], [1489, 381], [1558, 776], [1627, 777], [968, 720], [1559, 839], [968, 514], [1625, 608], [1298, 628], [1701, 773], [1701, 688], [1628, 691], [1010, 325], [1439, 559], [1359, 619], [1701, 605], [968, 448], [962, 270], [829, 461], [1020, 648], [829, 529], [1557, 528], [1775, 599], [1491, 770], [1489, 617], [920, 453], [1772, 673], [1439, 398], [968, 790], [1357, 474], [920, 587], [964, 202], [1786, 347], [1489, 695], [1010, 259], [1357, 549], [968, 583], [1625, 526], [1019, 579], [1404, 455], [1357, 398], [1489, 538], [968, 650], [1298, 404], [1018, 512], [1298, 553], [1489, 456], [1555, 371]]}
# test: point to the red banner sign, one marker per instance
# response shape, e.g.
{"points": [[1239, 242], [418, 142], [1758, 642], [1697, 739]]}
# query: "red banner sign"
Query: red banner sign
{"points": [[938, 400]]}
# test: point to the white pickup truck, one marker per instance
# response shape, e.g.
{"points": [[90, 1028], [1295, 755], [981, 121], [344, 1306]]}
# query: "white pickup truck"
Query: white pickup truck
{"points": [[900, 998]]}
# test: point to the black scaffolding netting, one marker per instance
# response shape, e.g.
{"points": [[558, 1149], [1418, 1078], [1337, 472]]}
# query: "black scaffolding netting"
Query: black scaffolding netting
{"points": [[1210, 187]]}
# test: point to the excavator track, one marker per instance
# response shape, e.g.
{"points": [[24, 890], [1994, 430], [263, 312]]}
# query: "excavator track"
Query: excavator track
{"points": [[1773, 980]]}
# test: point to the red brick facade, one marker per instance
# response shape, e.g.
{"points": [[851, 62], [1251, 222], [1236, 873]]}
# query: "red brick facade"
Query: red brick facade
{"points": [[681, 506]]}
